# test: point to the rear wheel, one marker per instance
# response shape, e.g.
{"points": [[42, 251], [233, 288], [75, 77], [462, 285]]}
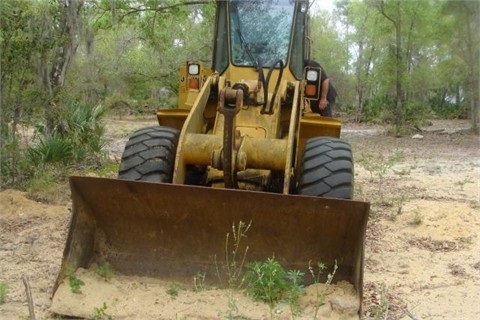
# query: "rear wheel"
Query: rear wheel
{"points": [[149, 155], [327, 169]]}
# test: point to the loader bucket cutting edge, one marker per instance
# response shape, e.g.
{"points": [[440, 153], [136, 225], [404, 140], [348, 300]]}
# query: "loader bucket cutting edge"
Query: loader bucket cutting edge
{"points": [[174, 231]]}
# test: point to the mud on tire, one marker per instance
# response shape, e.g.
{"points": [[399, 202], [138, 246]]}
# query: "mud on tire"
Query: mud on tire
{"points": [[149, 155], [327, 169]]}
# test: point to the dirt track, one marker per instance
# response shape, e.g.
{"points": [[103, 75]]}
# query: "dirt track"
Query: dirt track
{"points": [[423, 245]]}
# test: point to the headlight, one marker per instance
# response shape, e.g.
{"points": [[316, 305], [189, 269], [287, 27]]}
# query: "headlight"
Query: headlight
{"points": [[312, 75], [193, 69]]}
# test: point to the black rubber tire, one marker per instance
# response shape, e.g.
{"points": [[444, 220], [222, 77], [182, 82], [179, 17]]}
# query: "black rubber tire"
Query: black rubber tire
{"points": [[327, 169], [149, 155]]}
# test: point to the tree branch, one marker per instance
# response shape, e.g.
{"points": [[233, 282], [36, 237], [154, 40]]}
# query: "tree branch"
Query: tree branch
{"points": [[133, 10], [381, 8]]}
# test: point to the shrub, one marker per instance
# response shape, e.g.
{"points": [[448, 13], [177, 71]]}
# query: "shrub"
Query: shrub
{"points": [[269, 282], [77, 138], [52, 149]]}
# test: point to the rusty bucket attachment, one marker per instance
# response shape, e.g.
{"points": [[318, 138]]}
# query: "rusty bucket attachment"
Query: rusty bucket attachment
{"points": [[172, 232]]}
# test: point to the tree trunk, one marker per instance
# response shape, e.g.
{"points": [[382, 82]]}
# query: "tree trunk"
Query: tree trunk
{"points": [[67, 39], [473, 27], [398, 113], [359, 87], [396, 20]]}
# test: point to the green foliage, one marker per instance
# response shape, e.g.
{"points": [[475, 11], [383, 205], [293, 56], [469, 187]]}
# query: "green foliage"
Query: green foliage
{"points": [[441, 104], [266, 280], [105, 271], [173, 290], [108, 169], [3, 292], [417, 114], [47, 183], [32, 34], [414, 45], [100, 313], [134, 53], [78, 137], [269, 282], [74, 282], [85, 127], [378, 165], [330, 50], [374, 110], [13, 165], [295, 290], [52, 149], [129, 54], [22, 44]]}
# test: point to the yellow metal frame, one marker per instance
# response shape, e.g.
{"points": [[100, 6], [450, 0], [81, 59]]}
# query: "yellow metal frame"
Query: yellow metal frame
{"points": [[263, 143]]}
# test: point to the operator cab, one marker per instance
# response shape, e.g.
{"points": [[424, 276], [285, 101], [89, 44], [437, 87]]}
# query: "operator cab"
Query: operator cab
{"points": [[259, 34]]}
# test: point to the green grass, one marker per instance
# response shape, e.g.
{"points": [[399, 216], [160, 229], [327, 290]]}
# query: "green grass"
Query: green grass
{"points": [[3, 292]]}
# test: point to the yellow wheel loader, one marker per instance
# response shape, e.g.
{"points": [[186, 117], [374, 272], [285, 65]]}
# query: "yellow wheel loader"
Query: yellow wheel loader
{"points": [[242, 146]]}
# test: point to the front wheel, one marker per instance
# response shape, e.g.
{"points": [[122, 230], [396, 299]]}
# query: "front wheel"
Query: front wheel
{"points": [[149, 155], [327, 169]]}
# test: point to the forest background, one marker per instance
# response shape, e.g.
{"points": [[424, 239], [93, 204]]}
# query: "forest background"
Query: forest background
{"points": [[66, 64]]}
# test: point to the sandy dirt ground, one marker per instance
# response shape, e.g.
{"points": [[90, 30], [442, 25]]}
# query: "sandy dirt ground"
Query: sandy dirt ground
{"points": [[129, 297], [422, 247]]}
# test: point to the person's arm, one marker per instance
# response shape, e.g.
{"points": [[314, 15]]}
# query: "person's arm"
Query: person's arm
{"points": [[323, 103]]}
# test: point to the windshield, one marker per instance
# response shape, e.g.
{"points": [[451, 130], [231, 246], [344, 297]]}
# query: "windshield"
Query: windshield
{"points": [[260, 31]]}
